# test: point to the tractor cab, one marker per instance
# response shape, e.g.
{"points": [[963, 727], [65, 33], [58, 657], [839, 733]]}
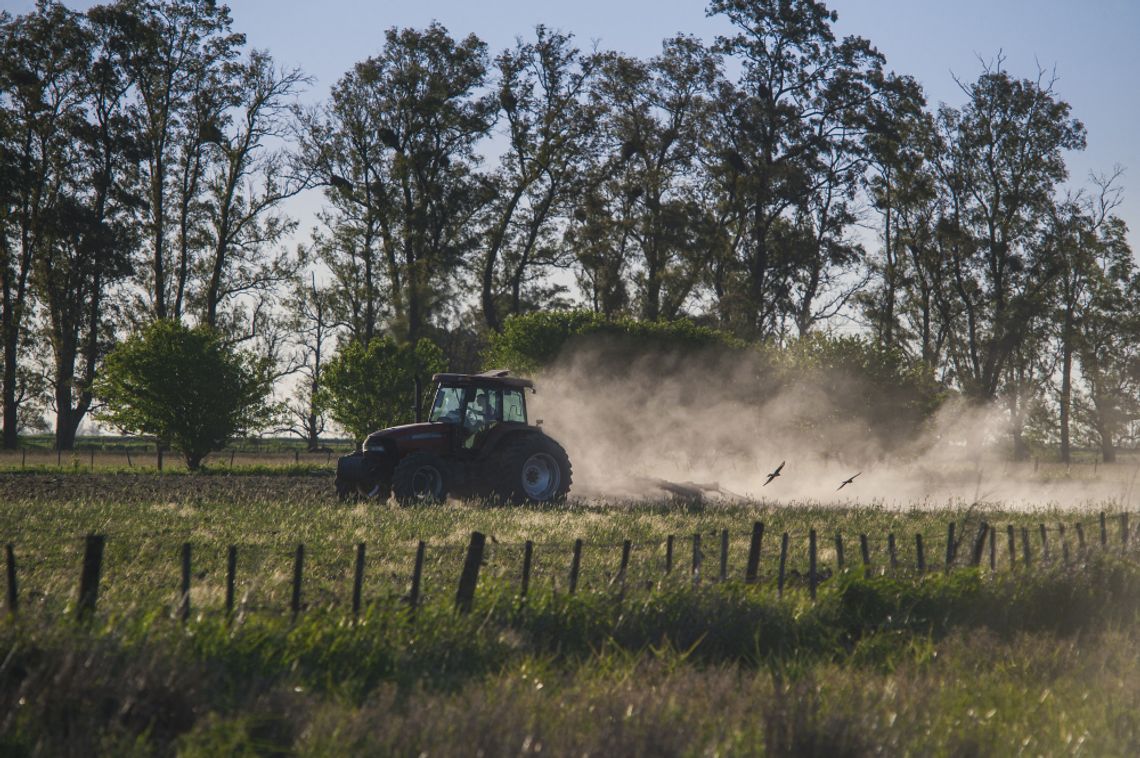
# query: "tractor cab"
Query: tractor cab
{"points": [[476, 404]]}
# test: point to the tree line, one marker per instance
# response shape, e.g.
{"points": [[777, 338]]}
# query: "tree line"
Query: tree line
{"points": [[778, 182]]}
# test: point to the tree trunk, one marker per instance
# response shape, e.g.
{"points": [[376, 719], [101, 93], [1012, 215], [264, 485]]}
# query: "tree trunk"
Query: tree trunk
{"points": [[1020, 450], [11, 405], [1107, 448], [1066, 385]]}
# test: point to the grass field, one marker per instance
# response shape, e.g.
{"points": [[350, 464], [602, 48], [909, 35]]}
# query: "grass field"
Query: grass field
{"points": [[970, 661]]}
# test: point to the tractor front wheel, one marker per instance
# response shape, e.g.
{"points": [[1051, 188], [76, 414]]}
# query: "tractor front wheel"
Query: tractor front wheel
{"points": [[420, 477], [534, 469]]}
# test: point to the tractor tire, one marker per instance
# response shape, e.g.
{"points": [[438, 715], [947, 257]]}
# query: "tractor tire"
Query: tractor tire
{"points": [[533, 469], [420, 478], [359, 479]]}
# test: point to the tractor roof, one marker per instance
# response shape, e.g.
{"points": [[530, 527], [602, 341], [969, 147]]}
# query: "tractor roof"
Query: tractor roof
{"points": [[496, 378]]}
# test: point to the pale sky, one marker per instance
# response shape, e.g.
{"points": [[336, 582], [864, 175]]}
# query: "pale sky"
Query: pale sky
{"points": [[1092, 46]]}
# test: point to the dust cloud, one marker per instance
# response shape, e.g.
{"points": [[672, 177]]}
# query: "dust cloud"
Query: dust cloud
{"points": [[716, 423]]}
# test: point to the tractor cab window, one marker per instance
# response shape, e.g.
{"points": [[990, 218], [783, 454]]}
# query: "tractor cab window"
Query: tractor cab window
{"points": [[484, 407], [446, 406], [484, 410], [514, 406]]}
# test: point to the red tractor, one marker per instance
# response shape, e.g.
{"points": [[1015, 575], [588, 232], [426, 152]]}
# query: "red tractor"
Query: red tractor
{"points": [[476, 442]]}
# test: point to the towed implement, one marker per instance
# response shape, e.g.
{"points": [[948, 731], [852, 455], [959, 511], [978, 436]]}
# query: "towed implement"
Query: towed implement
{"points": [[476, 442]]}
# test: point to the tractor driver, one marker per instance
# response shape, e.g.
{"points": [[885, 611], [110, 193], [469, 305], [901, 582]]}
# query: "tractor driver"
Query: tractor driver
{"points": [[482, 414]]}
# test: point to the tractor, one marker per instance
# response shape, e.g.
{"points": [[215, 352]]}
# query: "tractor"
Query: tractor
{"points": [[475, 443]]}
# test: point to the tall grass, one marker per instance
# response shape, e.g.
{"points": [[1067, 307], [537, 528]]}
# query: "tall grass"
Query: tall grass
{"points": [[966, 662], [144, 680]]}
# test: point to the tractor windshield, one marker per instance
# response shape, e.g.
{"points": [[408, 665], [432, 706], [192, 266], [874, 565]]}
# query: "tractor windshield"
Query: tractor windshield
{"points": [[446, 406]]}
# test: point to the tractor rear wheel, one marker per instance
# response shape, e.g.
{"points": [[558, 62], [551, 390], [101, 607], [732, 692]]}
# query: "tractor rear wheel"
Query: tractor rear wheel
{"points": [[533, 469], [420, 477]]}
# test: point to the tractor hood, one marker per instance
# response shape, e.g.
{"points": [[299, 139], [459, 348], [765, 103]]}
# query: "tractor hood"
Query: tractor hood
{"points": [[409, 435]]}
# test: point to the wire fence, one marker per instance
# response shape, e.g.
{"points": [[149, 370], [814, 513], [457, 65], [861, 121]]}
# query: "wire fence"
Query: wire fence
{"points": [[287, 576], [150, 458]]}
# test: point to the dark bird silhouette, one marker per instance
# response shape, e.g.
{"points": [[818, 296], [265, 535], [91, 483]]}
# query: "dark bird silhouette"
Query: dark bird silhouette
{"points": [[774, 474], [851, 480]]}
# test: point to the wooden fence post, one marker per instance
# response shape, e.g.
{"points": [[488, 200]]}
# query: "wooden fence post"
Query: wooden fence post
{"points": [[951, 546], [465, 595], [231, 575], [358, 581], [13, 591], [1012, 547], [752, 570], [575, 565], [839, 551], [528, 561], [697, 558], [1025, 558], [1124, 531], [184, 587], [89, 579], [865, 549], [417, 576], [993, 549], [298, 572], [669, 554], [1103, 531], [626, 547], [723, 555], [979, 545], [892, 551], [812, 578], [1080, 538], [783, 564], [920, 555], [1044, 543]]}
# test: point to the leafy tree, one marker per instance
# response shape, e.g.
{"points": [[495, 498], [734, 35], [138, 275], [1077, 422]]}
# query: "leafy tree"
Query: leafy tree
{"points": [[1002, 160], [1108, 338], [186, 387], [1086, 242], [43, 58], [176, 53], [244, 186], [312, 323], [897, 142], [788, 154], [370, 387], [645, 220], [553, 133], [90, 239], [395, 146]]}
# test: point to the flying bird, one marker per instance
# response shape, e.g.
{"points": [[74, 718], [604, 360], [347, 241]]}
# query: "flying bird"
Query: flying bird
{"points": [[850, 480], [774, 474]]}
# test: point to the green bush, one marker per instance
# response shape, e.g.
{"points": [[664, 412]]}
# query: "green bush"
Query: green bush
{"points": [[533, 341], [370, 387], [185, 386], [876, 387]]}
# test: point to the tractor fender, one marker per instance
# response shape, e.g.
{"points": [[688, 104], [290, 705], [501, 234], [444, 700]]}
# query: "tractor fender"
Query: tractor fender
{"points": [[503, 435]]}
